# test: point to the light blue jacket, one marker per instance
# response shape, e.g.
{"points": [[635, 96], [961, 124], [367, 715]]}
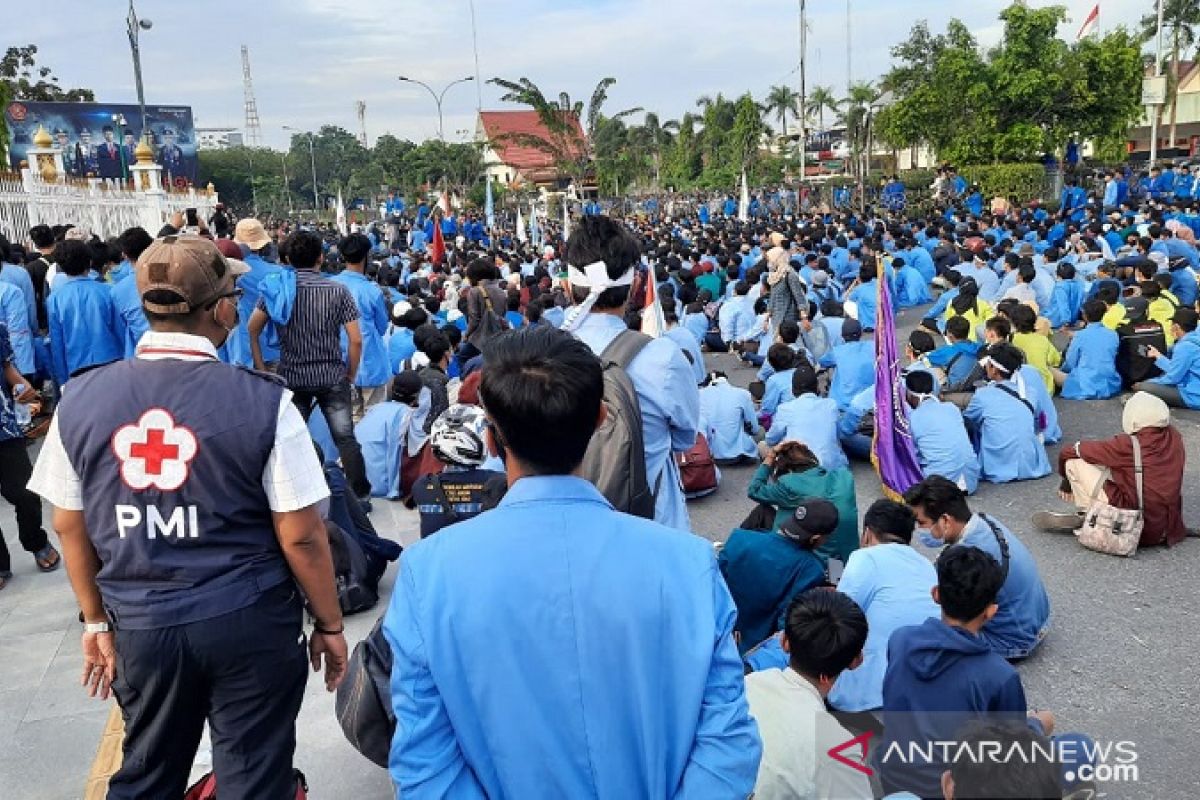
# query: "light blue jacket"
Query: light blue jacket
{"points": [[736, 319], [943, 447], [14, 316], [1091, 364], [1182, 368], [1009, 447], [1066, 300], [82, 332], [813, 421], [691, 351], [128, 317], [373, 367], [865, 296], [19, 277], [251, 285], [778, 389], [670, 406], [911, 288], [479, 683], [725, 411], [855, 363], [383, 434], [891, 583]]}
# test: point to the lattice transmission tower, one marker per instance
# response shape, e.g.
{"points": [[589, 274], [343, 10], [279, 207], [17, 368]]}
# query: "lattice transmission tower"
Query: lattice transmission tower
{"points": [[253, 128]]}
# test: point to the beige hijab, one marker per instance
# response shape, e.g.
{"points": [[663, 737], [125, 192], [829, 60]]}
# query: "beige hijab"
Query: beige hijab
{"points": [[1144, 410], [780, 262]]}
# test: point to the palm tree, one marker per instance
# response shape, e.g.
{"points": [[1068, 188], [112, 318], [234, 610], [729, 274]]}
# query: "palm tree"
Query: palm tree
{"points": [[562, 119], [856, 117], [1180, 21], [819, 99], [781, 101], [658, 137]]}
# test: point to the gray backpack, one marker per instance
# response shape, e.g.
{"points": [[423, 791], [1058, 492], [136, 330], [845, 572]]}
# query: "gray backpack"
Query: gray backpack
{"points": [[615, 461]]}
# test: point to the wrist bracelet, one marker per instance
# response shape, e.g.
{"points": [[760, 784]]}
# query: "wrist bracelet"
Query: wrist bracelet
{"points": [[326, 632]]}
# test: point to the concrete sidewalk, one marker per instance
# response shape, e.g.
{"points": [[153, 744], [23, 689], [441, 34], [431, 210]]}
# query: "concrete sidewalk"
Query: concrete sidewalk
{"points": [[51, 728]]}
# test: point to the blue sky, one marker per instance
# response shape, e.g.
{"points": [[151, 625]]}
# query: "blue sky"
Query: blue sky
{"points": [[311, 59]]}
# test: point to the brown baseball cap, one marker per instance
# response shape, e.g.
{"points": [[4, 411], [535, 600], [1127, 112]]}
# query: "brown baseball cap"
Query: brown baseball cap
{"points": [[189, 267]]}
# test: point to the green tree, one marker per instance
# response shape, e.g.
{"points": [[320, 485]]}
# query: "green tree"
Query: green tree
{"points": [[22, 79], [1181, 18], [569, 144], [820, 99], [782, 101]]}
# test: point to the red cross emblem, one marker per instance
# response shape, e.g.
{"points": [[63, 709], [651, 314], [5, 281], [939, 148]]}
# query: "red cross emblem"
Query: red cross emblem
{"points": [[154, 451]]}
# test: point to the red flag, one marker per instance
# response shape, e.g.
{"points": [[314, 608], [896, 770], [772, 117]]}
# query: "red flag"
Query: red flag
{"points": [[654, 323], [1090, 25], [438, 248]]}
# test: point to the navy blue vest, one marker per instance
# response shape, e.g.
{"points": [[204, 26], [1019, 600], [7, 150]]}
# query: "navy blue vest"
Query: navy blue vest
{"points": [[171, 457]]}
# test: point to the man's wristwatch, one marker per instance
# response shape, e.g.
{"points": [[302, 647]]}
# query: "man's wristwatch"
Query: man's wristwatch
{"points": [[97, 627]]}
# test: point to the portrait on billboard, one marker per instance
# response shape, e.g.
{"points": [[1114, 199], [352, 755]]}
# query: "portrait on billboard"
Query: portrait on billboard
{"points": [[99, 139]]}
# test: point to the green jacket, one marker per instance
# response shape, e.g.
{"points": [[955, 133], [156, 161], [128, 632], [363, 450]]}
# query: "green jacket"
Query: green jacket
{"points": [[786, 494]]}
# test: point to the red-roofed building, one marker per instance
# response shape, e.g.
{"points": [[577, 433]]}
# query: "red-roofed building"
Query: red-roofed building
{"points": [[510, 161]]}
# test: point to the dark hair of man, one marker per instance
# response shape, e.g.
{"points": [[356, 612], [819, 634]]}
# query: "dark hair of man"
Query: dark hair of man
{"points": [[999, 326], [780, 357], [355, 248], [892, 522], [867, 273], [1066, 271], [959, 328], [939, 496], [533, 311], [1027, 273], [480, 270], [825, 631], [452, 334], [133, 242], [922, 341], [539, 379], [435, 345], [968, 581], [600, 238], [42, 236], [804, 380], [1001, 777], [1024, 318], [303, 249], [831, 308], [789, 331], [1094, 310], [73, 256], [919, 381], [1186, 319], [1108, 293], [741, 288]]}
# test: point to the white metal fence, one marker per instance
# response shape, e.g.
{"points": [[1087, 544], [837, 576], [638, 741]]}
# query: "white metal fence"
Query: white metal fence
{"points": [[102, 207]]}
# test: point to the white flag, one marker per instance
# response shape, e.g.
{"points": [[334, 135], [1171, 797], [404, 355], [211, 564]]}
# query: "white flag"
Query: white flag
{"points": [[522, 235], [654, 322], [341, 215], [1090, 25], [566, 231]]}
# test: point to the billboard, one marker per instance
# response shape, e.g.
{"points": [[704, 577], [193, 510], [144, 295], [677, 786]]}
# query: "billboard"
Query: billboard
{"points": [[95, 143]]}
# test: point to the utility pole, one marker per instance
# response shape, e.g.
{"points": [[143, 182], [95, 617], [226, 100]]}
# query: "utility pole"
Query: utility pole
{"points": [[1158, 60], [803, 100]]}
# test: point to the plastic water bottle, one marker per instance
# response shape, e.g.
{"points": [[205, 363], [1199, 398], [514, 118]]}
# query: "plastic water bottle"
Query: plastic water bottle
{"points": [[21, 410]]}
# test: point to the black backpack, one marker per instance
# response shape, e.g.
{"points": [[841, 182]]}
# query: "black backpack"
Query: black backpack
{"points": [[351, 567], [364, 699], [615, 461]]}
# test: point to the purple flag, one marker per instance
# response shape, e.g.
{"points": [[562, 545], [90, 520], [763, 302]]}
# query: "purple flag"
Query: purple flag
{"points": [[892, 450]]}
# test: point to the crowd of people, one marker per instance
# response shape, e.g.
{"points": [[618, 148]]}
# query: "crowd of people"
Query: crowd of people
{"points": [[217, 406]]}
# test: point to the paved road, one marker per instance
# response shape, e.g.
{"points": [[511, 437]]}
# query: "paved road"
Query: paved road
{"points": [[1119, 662]]}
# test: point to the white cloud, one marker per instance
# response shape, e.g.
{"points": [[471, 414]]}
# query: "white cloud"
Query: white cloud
{"points": [[312, 59]]}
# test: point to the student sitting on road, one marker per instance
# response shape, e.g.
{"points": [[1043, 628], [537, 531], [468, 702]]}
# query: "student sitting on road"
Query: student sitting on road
{"points": [[942, 674], [1024, 616], [764, 570], [463, 489], [1179, 385], [823, 638]]}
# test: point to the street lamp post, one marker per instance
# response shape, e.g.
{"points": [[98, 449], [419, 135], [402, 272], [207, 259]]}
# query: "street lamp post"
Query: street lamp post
{"points": [[312, 154], [135, 25], [120, 123], [437, 98], [286, 189]]}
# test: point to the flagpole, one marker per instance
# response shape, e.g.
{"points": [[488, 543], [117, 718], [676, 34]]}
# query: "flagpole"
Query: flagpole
{"points": [[475, 45], [1157, 73]]}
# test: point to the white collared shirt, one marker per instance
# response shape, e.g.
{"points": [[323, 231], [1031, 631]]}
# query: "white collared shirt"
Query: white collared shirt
{"points": [[292, 479], [797, 734]]}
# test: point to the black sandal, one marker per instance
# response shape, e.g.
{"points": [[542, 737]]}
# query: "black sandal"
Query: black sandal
{"points": [[48, 559]]}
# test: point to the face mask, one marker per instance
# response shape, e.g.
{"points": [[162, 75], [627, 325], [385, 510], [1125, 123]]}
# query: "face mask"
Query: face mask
{"points": [[927, 539], [228, 329]]}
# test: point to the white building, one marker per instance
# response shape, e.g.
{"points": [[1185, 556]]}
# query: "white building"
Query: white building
{"points": [[218, 138]]}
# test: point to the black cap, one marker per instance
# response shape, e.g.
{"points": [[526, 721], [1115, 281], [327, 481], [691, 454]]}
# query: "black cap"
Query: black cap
{"points": [[813, 517], [851, 329]]}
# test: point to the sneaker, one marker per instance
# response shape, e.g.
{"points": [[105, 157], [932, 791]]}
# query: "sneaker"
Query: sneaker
{"points": [[1058, 521]]}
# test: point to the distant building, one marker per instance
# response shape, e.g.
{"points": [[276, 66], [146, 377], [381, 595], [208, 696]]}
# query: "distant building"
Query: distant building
{"points": [[218, 138], [1187, 118], [510, 161]]}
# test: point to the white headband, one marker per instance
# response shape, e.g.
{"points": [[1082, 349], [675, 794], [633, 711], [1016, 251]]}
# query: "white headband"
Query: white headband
{"points": [[595, 276], [596, 279]]}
